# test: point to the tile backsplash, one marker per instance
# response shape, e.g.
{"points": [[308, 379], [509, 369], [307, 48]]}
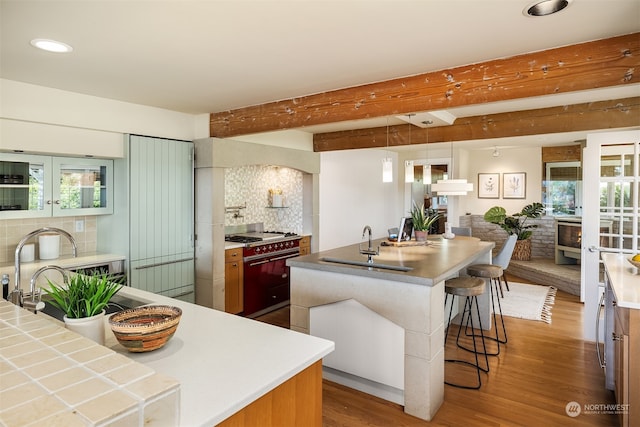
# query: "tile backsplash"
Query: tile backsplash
{"points": [[12, 230], [251, 185]]}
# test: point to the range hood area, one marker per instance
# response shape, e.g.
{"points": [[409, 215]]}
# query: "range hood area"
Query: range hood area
{"points": [[240, 174]]}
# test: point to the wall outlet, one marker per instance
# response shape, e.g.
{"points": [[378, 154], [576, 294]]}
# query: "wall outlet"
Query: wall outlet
{"points": [[79, 225]]}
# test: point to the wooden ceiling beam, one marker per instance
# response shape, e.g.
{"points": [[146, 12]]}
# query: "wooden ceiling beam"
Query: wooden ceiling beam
{"points": [[584, 66], [617, 113]]}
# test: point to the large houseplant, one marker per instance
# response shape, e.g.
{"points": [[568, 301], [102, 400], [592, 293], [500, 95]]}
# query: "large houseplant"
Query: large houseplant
{"points": [[422, 220], [83, 301], [517, 224]]}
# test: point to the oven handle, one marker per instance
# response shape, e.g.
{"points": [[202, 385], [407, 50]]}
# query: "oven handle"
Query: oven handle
{"points": [[285, 256], [264, 261]]}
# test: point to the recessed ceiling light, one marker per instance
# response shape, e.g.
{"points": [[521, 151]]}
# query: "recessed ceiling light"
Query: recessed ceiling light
{"points": [[545, 7], [51, 45]]}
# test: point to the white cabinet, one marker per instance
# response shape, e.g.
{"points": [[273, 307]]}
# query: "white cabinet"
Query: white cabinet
{"points": [[43, 186]]}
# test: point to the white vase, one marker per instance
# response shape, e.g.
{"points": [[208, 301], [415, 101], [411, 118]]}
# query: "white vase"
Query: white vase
{"points": [[89, 327]]}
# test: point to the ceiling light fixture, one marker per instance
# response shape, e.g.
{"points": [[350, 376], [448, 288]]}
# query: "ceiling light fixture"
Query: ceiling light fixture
{"points": [[408, 164], [452, 187], [51, 45], [496, 153], [387, 162], [545, 7]]}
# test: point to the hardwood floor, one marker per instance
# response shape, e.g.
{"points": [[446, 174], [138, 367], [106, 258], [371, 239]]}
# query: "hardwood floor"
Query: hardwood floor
{"points": [[541, 369]]}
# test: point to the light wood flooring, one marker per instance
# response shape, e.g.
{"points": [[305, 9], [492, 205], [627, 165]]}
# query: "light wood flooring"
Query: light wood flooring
{"points": [[541, 369]]}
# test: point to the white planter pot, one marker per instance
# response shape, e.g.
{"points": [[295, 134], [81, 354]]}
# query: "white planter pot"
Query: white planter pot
{"points": [[89, 327]]}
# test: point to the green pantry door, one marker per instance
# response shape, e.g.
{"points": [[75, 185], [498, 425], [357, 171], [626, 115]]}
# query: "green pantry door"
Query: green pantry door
{"points": [[161, 216]]}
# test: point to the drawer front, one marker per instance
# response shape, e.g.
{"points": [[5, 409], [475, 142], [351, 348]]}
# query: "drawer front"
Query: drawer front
{"points": [[231, 255], [305, 241]]}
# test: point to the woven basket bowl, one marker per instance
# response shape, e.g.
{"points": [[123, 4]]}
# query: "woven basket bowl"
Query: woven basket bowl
{"points": [[636, 264], [147, 328]]}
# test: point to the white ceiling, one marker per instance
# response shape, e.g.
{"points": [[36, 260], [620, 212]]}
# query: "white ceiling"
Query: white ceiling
{"points": [[213, 55]]}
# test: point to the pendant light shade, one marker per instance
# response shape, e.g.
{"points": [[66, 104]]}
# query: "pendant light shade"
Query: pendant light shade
{"points": [[452, 187], [426, 174], [408, 171], [387, 169]]}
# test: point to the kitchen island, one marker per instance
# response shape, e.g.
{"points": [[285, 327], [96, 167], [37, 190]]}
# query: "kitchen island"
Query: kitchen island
{"points": [[388, 321], [229, 369]]}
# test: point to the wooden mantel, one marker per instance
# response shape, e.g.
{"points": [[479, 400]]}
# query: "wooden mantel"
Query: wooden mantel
{"points": [[596, 64]]}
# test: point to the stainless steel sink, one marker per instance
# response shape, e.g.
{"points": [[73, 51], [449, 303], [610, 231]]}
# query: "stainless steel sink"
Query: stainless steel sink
{"points": [[367, 264], [117, 303]]}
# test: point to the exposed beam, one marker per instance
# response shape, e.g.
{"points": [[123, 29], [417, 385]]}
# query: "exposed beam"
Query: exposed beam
{"points": [[617, 113], [596, 64]]}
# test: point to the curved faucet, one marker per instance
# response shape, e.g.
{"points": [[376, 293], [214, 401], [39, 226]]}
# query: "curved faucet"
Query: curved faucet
{"points": [[16, 294], [36, 304], [369, 252], [364, 231]]}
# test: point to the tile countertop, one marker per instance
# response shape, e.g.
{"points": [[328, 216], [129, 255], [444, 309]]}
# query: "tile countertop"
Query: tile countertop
{"points": [[624, 279], [54, 377], [224, 362]]}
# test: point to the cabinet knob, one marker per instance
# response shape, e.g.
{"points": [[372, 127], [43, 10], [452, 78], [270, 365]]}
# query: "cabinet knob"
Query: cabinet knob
{"points": [[57, 202], [49, 202], [616, 337], [234, 264]]}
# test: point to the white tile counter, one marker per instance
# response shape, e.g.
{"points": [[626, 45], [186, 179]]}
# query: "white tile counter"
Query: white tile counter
{"points": [[50, 376], [624, 278]]}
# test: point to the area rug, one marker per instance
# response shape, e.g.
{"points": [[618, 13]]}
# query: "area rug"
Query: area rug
{"points": [[531, 302]]}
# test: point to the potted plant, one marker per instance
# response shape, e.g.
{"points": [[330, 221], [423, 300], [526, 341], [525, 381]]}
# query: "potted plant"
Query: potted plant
{"points": [[517, 224], [422, 220], [83, 301]]}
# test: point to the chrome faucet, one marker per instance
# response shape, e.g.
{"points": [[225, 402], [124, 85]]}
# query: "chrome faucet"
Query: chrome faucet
{"points": [[15, 296], [36, 304], [369, 252]]}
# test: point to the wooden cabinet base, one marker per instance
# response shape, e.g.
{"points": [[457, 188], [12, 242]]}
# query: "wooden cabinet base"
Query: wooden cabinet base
{"points": [[297, 402]]}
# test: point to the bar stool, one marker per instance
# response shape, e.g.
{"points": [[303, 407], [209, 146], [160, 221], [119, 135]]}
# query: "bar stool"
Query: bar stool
{"points": [[470, 288], [493, 273]]}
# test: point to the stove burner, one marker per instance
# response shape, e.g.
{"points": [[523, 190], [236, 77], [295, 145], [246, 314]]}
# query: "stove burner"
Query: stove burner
{"points": [[242, 239]]}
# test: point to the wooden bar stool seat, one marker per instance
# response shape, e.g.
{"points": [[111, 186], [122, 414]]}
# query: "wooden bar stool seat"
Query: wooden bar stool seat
{"points": [[469, 288]]}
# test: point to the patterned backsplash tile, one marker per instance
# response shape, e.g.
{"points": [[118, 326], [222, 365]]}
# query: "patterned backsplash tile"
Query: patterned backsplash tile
{"points": [[251, 185]]}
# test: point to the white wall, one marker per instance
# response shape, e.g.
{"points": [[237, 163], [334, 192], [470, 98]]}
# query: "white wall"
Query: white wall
{"points": [[353, 195], [38, 105], [528, 160], [467, 163]]}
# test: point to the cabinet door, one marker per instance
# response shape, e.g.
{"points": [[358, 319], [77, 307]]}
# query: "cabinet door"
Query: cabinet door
{"points": [[233, 287], [82, 186], [621, 369], [25, 186]]}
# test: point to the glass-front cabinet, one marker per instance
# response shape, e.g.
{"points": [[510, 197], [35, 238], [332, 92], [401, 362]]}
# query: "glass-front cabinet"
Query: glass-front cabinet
{"points": [[42, 186]]}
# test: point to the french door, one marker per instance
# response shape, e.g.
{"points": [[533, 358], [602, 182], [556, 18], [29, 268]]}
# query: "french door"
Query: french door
{"points": [[611, 173]]}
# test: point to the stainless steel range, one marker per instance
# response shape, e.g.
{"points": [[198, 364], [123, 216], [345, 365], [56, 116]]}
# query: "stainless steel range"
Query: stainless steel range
{"points": [[266, 275]]}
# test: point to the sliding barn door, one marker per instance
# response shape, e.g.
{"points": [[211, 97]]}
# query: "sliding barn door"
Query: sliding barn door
{"points": [[161, 216]]}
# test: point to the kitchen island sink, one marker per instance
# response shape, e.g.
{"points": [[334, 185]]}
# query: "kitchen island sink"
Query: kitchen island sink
{"points": [[366, 264]]}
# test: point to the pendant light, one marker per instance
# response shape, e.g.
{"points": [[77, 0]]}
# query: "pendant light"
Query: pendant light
{"points": [[408, 164], [452, 187], [408, 171], [387, 162], [426, 169]]}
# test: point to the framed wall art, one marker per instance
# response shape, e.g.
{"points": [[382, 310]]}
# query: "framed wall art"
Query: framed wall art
{"points": [[514, 185], [488, 185]]}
